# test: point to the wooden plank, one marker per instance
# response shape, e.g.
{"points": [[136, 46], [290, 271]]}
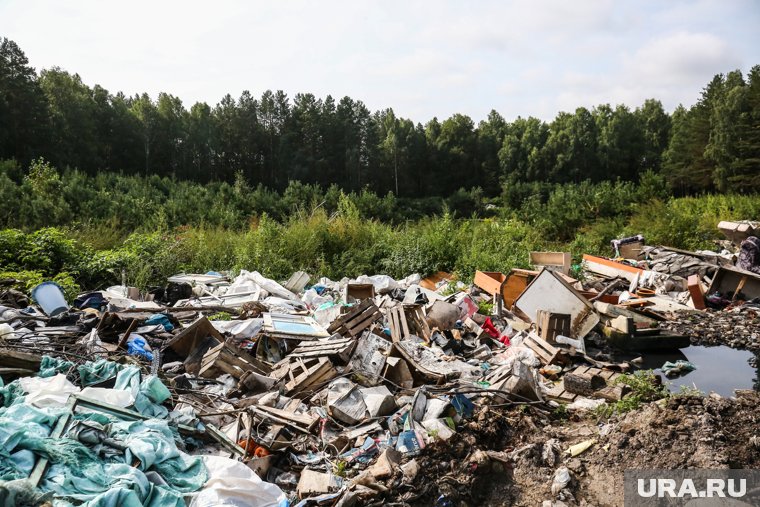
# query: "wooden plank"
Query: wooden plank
{"points": [[308, 374], [356, 325], [300, 419], [353, 312], [395, 317], [546, 352], [270, 439], [123, 340], [17, 359], [257, 410]]}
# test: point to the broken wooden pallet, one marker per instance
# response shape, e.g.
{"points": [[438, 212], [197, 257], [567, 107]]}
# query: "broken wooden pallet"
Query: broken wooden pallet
{"points": [[301, 374], [611, 392], [546, 353], [416, 323], [336, 346], [271, 440], [397, 323], [224, 359], [358, 318], [558, 393]]}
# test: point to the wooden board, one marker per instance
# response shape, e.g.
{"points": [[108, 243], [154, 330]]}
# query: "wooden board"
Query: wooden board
{"points": [[550, 325], [227, 359], [397, 323], [300, 374], [552, 293], [546, 353], [358, 318], [339, 348]]}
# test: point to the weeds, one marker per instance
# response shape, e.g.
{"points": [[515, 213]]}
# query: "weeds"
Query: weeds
{"points": [[340, 239], [643, 388]]}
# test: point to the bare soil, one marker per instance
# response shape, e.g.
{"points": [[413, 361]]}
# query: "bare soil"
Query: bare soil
{"points": [[509, 457]]}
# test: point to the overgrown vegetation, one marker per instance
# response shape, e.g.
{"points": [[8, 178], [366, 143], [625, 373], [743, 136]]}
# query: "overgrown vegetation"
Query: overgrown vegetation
{"points": [[643, 388], [346, 241]]}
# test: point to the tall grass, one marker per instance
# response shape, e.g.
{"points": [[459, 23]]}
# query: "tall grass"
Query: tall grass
{"points": [[344, 242]]}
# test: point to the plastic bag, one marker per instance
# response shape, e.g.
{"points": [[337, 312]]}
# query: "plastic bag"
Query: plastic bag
{"points": [[233, 484], [560, 480], [137, 346], [47, 392]]}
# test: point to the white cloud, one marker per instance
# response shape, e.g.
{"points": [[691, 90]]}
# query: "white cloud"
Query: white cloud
{"points": [[424, 58]]}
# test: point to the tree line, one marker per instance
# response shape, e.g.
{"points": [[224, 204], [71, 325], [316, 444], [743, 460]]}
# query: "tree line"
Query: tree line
{"points": [[271, 140]]}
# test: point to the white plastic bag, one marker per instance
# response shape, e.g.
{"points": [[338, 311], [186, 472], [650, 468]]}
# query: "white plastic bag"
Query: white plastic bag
{"points": [[232, 484], [47, 392]]}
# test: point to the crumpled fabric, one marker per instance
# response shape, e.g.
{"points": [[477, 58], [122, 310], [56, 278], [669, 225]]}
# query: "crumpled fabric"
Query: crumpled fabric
{"points": [[78, 473], [160, 318], [123, 497], [50, 366], [94, 372], [10, 393], [749, 255], [17, 423], [153, 442], [147, 394], [102, 484]]}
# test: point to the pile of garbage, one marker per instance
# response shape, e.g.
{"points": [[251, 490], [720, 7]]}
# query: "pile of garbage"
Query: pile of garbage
{"points": [[248, 391]]}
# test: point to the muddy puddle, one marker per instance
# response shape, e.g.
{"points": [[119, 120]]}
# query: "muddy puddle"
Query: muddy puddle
{"points": [[720, 369]]}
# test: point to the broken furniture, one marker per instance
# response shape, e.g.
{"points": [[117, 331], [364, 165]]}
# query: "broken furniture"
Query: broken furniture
{"points": [[303, 373], [225, 359], [558, 261], [551, 293], [292, 327], [735, 283], [356, 320], [550, 325], [358, 292]]}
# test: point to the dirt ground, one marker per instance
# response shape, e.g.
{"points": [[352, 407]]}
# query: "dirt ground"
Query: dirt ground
{"points": [[509, 457]]}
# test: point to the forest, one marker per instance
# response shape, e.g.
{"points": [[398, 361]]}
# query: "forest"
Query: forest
{"points": [[269, 141], [96, 186]]}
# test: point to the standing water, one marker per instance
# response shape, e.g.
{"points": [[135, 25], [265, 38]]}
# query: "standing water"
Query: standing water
{"points": [[720, 369]]}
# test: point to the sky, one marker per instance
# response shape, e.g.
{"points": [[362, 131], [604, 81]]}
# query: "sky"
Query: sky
{"points": [[421, 58]]}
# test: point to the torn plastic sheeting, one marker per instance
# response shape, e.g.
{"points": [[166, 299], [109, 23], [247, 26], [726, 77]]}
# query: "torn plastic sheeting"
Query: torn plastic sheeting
{"points": [[233, 484], [100, 484], [116, 397], [94, 372], [16, 423], [313, 299], [50, 366], [153, 442], [124, 497], [382, 283], [160, 318], [49, 391], [269, 285], [145, 393], [239, 329]]}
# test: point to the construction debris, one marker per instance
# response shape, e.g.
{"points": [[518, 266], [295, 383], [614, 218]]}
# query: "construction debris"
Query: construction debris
{"points": [[338, 392]]}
